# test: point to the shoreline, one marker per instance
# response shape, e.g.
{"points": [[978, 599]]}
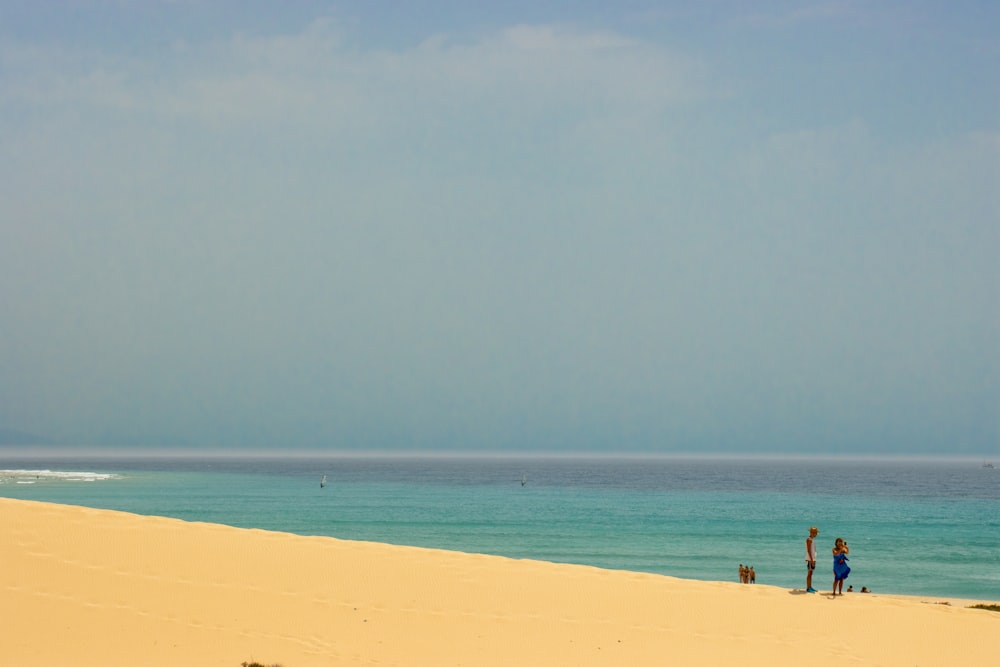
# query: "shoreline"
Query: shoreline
{"points": [[125, 589], [30, 476]]}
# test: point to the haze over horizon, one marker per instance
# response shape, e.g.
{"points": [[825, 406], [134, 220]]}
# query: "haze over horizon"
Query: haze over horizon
{"points": [[551, 226]]}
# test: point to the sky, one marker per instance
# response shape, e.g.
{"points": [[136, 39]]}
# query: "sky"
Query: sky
{"points": [[547, 226]]}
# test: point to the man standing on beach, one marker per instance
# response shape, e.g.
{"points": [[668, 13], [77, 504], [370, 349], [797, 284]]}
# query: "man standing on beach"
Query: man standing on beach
{"points": [[811, 558]]}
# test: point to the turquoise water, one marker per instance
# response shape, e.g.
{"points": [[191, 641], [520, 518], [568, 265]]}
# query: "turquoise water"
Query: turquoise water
{"points": [[929, 528]]}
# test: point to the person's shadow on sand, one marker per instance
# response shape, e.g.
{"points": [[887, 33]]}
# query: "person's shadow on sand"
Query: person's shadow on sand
{"points": [[800, 591]]}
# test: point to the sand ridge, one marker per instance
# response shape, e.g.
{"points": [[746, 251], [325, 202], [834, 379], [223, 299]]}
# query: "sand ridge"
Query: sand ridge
{"points": [[82, 586]]}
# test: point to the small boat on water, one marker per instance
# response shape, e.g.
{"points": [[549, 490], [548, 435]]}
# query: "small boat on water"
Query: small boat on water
{"points": [[322, 482], [988, 464]]}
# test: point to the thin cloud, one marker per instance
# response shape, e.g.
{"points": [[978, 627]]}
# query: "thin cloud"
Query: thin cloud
{"points": [[562, 40], [314, 77]]}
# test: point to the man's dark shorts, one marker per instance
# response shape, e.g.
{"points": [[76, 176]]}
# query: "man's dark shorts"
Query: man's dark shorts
{"points": [[810, 565]]}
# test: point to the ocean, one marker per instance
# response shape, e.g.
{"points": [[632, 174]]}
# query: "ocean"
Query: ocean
{"points": [[919, 527]]}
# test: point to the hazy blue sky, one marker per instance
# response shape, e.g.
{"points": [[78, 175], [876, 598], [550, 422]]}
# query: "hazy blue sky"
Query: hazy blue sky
{"points": [[637, 226]]}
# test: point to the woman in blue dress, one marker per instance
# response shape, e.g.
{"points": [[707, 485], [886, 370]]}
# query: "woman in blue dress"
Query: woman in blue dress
{"points": [[840, 567]]}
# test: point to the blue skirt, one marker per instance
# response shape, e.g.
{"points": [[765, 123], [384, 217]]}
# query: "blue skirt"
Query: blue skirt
{"points": [[840, 567]]}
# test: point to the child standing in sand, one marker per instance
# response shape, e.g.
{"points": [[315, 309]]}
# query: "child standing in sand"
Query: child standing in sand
{"points": [[840, 567], [811, 558]]}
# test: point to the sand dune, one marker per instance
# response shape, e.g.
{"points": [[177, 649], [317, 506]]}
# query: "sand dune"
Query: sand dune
{"points": [[93, 587]]}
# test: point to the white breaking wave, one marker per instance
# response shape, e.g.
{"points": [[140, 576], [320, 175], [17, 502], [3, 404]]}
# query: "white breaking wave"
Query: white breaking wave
{"points": [[32, 476]]}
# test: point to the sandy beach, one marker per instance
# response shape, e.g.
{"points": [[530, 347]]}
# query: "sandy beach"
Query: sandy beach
{"points": [[93, 587]]}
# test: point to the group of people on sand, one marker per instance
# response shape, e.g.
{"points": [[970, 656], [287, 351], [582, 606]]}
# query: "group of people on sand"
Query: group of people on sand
{"points": [[747, 574], [840, 567]]}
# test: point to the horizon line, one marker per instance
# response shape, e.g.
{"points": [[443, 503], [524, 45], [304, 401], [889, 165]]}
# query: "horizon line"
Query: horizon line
{"points": [[54, 452]]}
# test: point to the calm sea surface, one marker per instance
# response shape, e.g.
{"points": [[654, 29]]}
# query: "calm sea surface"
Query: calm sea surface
{"points": [[915, 527]]}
